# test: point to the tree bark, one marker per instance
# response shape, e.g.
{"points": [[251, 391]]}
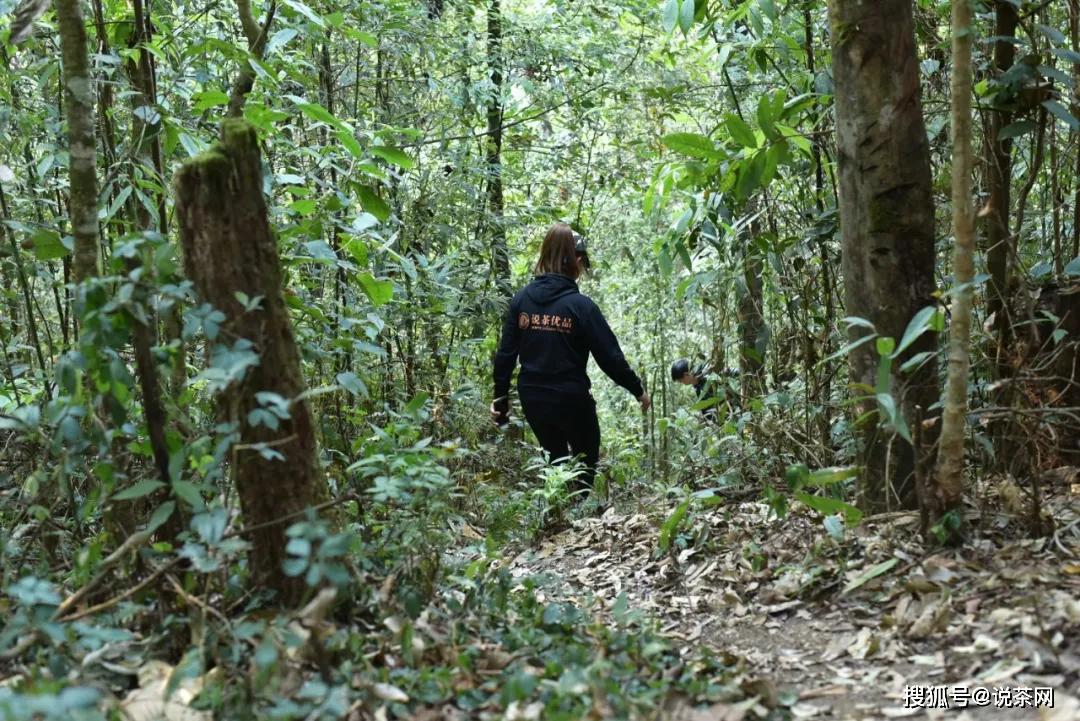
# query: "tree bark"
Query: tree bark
{"points": [[144, 140], [256, 37], [500, 257], [79, 104], [998, 155], [1074, 39], [751, 316], [886, 218], [229, 248], [948, 493], [24, 286]]}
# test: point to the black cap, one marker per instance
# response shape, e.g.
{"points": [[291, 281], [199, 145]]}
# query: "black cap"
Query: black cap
{"points": [[679, 368]]}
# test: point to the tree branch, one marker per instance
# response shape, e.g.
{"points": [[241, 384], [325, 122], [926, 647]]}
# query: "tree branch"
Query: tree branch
{"points": [[256, 38]]}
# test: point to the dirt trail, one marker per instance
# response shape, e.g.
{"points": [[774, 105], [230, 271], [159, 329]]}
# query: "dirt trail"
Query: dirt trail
{"points": [[837, 629]]}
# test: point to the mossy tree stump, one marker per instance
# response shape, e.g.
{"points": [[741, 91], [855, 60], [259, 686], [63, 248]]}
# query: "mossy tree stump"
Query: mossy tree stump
{"points": [[229, 249]]}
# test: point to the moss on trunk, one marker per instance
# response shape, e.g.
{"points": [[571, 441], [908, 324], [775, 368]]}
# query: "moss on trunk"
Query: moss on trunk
{"points": [[229, 249]]}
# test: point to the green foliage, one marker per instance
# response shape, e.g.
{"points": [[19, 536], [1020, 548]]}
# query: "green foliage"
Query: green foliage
{"points": [[699, 162]]}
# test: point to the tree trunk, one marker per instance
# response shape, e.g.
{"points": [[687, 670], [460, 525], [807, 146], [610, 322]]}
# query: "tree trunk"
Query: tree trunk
{"points": [[144, 140], [886, 218], [256, 37], [1074, 39], [751, 316], [79, 104], [998, 155], [229, 248], [500, 257], [24, 286], [948, 493]]}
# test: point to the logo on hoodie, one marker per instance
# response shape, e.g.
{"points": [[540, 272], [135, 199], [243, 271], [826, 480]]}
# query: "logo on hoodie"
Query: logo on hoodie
{"points": [[545, 321]]}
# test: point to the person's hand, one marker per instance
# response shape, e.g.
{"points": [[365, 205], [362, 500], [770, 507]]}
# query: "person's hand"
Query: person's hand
{"points": [[500, 411], [645, 401]]}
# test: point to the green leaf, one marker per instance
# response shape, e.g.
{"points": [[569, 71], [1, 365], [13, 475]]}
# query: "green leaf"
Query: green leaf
{"points": [[320, 250], [280, 39], [916, 360], [117, 203], [828, 506], [352, 383], [724, 55], [1062, 113], [692, 145], [769, 8], [796, 475], [1065, 54], [379, 291], [852, 321], [1054, 74], [140, 489], [209, 99], [671, 525], [682, 287], [188, 491], [373, 203], [664, 258], [918, 325], [191, 144], [360, 36], [48, 245], [824, 477], [266, 654], [765, 116], [849, 347], [305, 206], [358, 250], [686, 16], [1014, 130], [161, 514], [393, 155], [351, 143], [773, 157], [750, 175], [671, 15], [210, 526], [417, 402], [318, 113], [1055, 35], [887, 404], [740, 131], [870, 574], [305, 11], [684, 255]]}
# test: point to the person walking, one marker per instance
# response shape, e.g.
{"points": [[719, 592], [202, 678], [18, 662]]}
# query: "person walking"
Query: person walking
{"points": [[551, 328]]}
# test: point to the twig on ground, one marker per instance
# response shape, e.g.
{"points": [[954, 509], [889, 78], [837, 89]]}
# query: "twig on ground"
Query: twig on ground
{"points": [[105, 605], [133, 541]]}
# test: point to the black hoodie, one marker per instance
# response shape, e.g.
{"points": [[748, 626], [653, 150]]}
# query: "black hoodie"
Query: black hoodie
{"points": [[552, 328]]}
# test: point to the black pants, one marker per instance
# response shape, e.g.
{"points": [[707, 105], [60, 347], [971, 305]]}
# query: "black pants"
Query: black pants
{"points": [[565, 427]]}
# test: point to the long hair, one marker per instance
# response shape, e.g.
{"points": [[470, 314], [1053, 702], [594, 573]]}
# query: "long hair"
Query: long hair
{"points": [[558, 252]]}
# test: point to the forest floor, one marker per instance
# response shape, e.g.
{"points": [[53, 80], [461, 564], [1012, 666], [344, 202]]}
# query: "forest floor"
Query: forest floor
{"points": [[838, 629]]}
